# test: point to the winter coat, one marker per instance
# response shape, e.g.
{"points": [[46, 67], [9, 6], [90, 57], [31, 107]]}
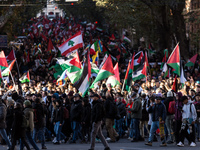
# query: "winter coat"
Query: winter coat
{"points": [[97, 113], [110, 108], [157, 111], [58, 115], [86, 114], [166, 102], [38, 116], [17, 130], [197, 106], [28, 112], [136, 110], [121, 109], [2, 115], [145, 114], [76, 111], [10, 117]]}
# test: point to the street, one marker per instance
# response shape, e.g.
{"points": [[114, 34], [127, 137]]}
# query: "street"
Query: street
{"points": [[122, 144]]}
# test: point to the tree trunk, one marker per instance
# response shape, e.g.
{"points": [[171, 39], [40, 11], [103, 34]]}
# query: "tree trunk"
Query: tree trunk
{"points": [[180, 29]]}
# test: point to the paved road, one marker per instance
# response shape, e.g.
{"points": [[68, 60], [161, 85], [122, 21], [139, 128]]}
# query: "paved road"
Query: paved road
{"points": [[122, 144]]}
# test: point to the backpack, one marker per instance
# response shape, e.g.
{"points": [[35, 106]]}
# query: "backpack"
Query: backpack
{"points": [[65, 113], [171, 108], [25, 122]]}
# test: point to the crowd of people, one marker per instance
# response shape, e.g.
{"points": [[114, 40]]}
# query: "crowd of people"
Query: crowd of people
{"points": [[41, 111]]}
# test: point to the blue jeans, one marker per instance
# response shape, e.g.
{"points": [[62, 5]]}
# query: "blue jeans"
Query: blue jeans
{"points": [[197, 126], [5, 137], [57, 130], [120, 126], [136, 128], [154, 127], [76, 127], [31, 141], [131, 129], [41, 133]]}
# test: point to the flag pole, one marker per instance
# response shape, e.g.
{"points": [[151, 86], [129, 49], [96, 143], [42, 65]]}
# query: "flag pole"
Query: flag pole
{"points": [[19, 86], [12, 79]]}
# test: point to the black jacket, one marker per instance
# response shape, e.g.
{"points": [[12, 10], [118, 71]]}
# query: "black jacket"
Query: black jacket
{"points": [[76, 111], [38, 116], [97, 111], [145, 114], [86, 114], [166, 102], [17, 130], [58, 114], [110, 108], [121, 108], [2, 115], [157, 111], [10, 117]]}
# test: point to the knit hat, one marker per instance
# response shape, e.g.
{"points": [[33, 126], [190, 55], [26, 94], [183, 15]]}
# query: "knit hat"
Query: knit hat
{"points": [[27, 103], [169, 94]]}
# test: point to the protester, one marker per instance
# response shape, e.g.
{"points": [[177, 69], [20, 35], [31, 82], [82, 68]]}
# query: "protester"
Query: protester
{"points": [[97, 116], [136, 115], [189, 117], [76, 116], [158, 111], [28, 112], [3, 123], [19, 131]]}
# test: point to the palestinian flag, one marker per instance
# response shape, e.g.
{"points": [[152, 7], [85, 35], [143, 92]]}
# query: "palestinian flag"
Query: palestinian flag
{"points": [[84, 82], [25, 78], [94, 69], [138, 60], [71, 44], [6, 71], [128, 79], [174, 60], [174, 86], [141, 72], [163, 62], [3, 61], [115, 79], [165, 70], [192, 61], [151, 49], [11, 56], [130, 72], [103, 61], [1, 77], [182, 77], [71, 63], [99, 29], [105, 72], [126, 39]]}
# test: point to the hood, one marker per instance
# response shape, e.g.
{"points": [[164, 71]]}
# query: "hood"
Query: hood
{"points": [[28, 109]]}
